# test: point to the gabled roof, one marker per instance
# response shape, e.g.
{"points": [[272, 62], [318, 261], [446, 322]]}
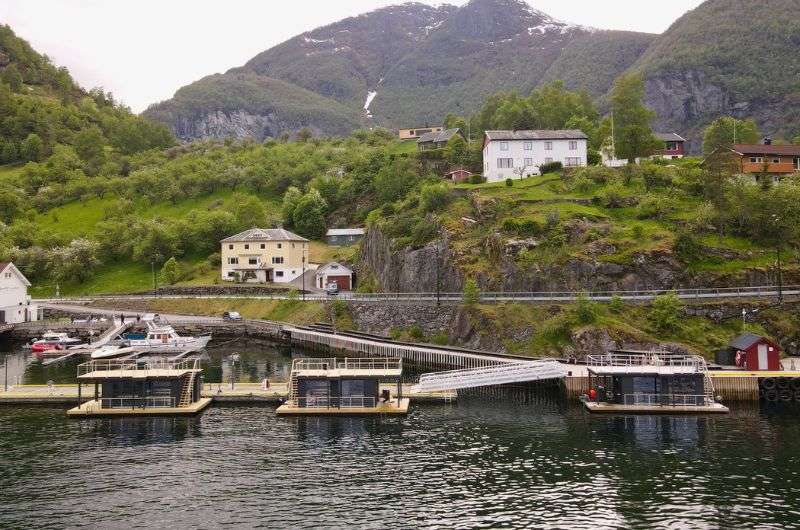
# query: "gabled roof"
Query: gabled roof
{"points": [[264, 234], [437, 137], [345, 232], [669, 137], [542, 134], [13, 268], [334, 267], [745, 340], [761, 149]]}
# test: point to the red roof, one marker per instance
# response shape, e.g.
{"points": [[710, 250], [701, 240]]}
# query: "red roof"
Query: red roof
{"points": [[760, 149]]}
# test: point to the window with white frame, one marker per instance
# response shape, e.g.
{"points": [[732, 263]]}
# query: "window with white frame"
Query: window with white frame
{"points": [[797, 163], [230, 247], [572, 161], [233, 261], [548, 146], [528, 162], [528, 146], [776, 160], [279, 274], [504, 146], [279, 245], [757, 159], [505, 163], [252, 261], [263, 246], [247, 247], [277, 260], [548, 160], [573, 145]]}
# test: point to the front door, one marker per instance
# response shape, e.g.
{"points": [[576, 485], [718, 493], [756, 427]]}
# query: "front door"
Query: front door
{"points": [[763, 358]]}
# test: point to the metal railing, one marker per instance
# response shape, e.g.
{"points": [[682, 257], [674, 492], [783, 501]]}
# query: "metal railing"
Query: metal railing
{"points": [[336, 402], [516, 372], [647, 359], [674, 400], [137, 402], [356, 363], [135, 365], [494, 296]]}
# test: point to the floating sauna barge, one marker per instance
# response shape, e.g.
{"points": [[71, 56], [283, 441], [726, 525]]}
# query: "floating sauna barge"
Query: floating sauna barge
{"points": [[650, 383], [153, 387], [344, 386]]}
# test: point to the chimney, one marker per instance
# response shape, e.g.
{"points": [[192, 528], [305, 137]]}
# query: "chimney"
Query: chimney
{"points": [[767, 140]]}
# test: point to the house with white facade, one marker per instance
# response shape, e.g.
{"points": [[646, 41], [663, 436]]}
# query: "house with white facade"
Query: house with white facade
{"points": [[15, 304], [518, 154], [334, 272], [262, 255]]}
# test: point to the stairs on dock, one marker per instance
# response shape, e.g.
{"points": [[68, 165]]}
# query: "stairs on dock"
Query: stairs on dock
{"points": [[293, 390], [517, 372], [188, 386]]}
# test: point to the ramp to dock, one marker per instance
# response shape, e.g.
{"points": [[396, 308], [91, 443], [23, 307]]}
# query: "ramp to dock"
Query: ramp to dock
{"points": [[112, 333], [517, 372]]}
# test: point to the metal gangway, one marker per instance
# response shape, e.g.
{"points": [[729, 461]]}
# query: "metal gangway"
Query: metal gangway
{"points": [[511, 372], [110, 334]]}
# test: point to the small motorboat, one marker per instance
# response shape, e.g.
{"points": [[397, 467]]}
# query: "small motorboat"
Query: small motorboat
{"points": [[54, 341], [112, 350]]}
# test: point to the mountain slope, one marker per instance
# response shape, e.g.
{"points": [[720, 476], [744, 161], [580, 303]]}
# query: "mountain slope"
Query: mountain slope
{"points": [[422, 62], [727, 57]]}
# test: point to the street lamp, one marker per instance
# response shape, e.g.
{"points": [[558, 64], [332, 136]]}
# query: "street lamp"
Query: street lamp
{"points": [[776, 220]]}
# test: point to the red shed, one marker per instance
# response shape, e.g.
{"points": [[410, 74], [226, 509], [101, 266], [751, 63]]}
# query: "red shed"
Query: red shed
{"points": [[755, 352]]}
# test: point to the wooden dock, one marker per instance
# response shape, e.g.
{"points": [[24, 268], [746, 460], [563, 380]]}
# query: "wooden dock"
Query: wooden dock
{"points": [[92, 409], [218, 393], [392, 407], [614, 408]]}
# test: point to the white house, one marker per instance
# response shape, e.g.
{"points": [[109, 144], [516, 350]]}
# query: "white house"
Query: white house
{"points": [[262, 255], [517, 154], [15, 304]]}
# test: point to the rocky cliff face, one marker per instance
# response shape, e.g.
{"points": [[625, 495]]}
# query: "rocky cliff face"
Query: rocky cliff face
{"points": [[236, 124], [408, 269]]}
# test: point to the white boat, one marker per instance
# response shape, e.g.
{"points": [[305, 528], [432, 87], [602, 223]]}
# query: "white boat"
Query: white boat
{"points": [[112, 350], [54, 341], [162, 337]]}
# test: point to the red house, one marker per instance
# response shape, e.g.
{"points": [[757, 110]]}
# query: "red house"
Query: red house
{"points": [[754, 352], [673, 146], [459, 175]]}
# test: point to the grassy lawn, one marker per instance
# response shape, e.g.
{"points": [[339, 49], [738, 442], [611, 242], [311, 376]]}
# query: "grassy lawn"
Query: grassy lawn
{"points": [[109, 279], [292, 311]]}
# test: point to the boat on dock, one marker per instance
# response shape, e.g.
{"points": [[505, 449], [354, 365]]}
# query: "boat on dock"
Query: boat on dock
{"points": [[54, 341], [640, 382], [344, 386], [160, 337]]}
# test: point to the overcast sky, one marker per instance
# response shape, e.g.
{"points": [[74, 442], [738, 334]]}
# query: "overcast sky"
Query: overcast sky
{"points": [[144, 50]]}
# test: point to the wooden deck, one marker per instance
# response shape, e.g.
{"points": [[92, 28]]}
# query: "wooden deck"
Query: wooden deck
{"points": [[92, 409], [613, 408], [393, 407]]}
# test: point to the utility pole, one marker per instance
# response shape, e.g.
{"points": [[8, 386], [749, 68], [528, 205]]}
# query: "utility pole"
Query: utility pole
{"points": [[5, 382], [780, 275], [438, 276], [153, 270], [304, 271]]}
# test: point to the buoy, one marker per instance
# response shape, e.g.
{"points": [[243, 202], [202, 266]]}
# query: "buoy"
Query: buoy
{"points": [[592, 393]]}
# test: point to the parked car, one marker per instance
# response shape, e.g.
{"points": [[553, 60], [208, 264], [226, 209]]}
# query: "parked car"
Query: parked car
{"points": [[231, 316], [332, 288]]}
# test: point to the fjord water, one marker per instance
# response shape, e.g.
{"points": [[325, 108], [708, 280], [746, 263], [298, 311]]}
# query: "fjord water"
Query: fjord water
{"points": [[478, 463]]}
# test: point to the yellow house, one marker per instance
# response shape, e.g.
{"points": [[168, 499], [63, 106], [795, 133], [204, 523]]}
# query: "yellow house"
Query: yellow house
{"points": [[261, 255]]}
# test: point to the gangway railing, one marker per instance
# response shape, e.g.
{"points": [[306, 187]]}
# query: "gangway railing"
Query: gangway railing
{"points": [[356, 363], [516, 372], [646, 359]]}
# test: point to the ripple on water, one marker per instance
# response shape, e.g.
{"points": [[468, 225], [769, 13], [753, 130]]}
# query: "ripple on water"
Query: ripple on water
{"points": [[471, 465]]}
